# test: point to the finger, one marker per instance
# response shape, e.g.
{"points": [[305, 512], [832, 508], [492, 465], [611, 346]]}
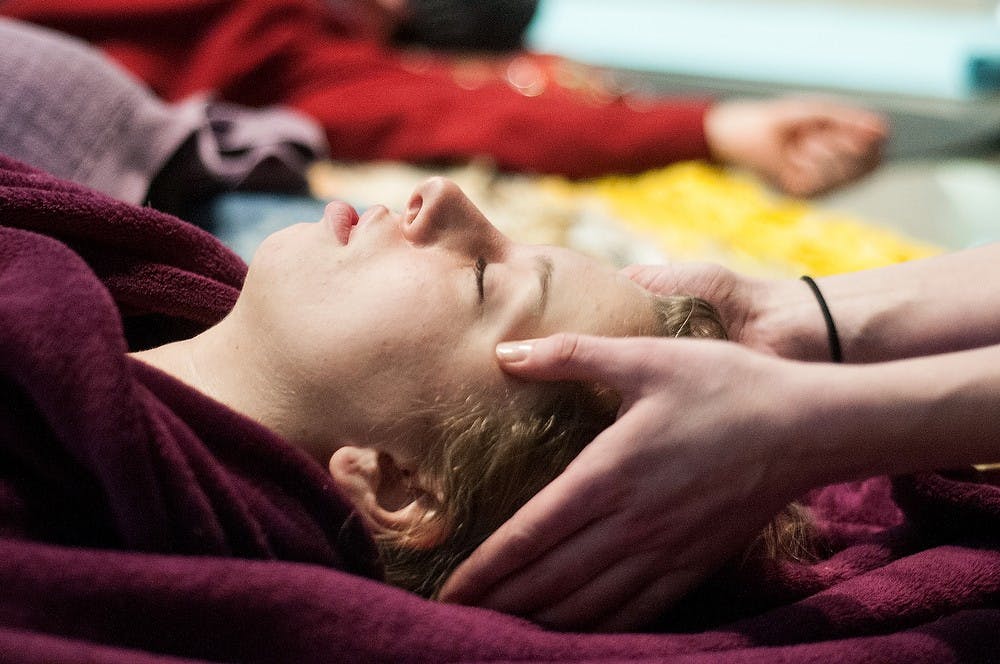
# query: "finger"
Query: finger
{"points": [[645, 580], [819, 161], [662, 279], [799, 175], [618, 363], [865, 125], [849, 144], [688, 278], [839, 158], [870, 125], [563, 572], [526, 557], [815, 110], [867, 153], [642, 274], [564, 507], [651, 601], [604, 595], [818, 147]]}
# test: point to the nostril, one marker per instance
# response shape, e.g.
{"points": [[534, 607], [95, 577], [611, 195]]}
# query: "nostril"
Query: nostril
{"points": [[413, 209]]}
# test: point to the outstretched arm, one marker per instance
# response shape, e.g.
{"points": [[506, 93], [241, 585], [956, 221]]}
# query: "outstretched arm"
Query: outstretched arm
{"points": [[711, 441]]}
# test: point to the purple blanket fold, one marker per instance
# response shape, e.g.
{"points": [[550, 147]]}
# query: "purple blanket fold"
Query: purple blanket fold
{"points": [[143, 522]]}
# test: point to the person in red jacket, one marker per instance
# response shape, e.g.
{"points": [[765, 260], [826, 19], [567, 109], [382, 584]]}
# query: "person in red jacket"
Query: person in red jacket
{"points": [[525, 112]]}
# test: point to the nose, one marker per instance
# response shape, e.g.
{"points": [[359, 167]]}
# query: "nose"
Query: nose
{"points": [[439, 212]]}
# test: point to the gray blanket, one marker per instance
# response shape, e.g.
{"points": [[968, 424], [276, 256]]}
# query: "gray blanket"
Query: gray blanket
{"points": [[67, 109]]}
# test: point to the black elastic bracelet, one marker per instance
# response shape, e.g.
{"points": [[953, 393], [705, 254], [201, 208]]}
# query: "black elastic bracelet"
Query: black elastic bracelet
{"points": [[831, 329]]}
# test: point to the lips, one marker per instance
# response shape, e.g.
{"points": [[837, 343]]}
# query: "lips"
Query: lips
{"points": [[342, 218]]}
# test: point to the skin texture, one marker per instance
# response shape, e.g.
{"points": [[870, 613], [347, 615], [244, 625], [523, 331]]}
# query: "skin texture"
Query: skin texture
{"points": [[710, 454]]}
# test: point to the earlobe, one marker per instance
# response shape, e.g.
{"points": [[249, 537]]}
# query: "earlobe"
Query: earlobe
{"points": [[388, 502], [352, 469]]}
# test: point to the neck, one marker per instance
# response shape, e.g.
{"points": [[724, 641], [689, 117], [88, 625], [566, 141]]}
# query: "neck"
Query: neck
{"points": [[228, 365]]}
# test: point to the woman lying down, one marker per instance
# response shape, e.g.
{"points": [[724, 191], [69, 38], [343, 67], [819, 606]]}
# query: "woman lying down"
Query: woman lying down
{"points": [[141, 517], [369, 344]]}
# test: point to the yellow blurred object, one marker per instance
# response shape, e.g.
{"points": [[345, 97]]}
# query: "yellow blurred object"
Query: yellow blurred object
{"points": [[695, 211]]}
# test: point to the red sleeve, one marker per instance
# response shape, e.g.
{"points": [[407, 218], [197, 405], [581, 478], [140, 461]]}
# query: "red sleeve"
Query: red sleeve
{"points": [[374, 102]]}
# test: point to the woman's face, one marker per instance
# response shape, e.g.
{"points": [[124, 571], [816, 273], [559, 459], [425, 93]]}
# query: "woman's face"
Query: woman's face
{"points": [[380, 317]]}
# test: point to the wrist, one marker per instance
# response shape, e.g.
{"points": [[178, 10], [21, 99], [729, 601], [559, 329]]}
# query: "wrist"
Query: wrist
{"points": [[804, 444], [785, 320], [832, 336], [841, 426]]}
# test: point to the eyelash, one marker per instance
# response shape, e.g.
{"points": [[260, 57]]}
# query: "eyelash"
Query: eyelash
{"points": [[480, 273]]}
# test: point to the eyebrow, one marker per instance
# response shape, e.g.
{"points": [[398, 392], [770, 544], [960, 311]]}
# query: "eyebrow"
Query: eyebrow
{"points": [[544, 266]]}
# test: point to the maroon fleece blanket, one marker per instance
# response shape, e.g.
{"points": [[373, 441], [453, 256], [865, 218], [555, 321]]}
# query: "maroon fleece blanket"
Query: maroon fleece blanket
{"points": [[142, 522]]}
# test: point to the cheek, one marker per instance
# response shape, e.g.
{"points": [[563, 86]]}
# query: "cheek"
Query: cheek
{"points": [[406, 344], [286, 245], [449, 374]]}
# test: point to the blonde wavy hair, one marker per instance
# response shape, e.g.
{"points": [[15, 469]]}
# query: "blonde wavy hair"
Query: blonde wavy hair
{"points": [[490, 458]]}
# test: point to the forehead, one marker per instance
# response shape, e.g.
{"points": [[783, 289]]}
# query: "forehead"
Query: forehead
{"points": [[590, 297]]}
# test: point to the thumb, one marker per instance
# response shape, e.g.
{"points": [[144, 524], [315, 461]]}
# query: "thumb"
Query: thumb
{"points": [[655, 278], [613, 362]]}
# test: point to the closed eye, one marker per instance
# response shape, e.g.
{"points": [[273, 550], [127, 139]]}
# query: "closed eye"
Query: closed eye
{"points": [[480, 271]]}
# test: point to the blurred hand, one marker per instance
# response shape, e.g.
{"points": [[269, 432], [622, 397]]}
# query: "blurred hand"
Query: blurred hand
{"points": [[803, 146], [690, 472]]}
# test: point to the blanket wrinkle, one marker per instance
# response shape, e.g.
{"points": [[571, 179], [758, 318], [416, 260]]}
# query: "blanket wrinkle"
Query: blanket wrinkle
{"points": [[949, 505], [76, 385], [148, 479], [169, 278], [142, 521]]}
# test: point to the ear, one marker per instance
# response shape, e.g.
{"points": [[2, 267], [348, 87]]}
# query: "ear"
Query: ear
{"points": [[386, 497]]}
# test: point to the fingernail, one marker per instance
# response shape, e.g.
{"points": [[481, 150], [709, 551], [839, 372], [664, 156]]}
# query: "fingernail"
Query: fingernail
{"points": [[514, 351]]}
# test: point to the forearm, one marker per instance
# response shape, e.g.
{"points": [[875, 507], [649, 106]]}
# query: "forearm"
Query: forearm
{"points": [[934, 305], [428, 115], [897, 417]]}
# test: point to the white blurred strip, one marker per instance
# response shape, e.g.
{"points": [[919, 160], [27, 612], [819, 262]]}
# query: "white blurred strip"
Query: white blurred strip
{"points": [[922, 52]]}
